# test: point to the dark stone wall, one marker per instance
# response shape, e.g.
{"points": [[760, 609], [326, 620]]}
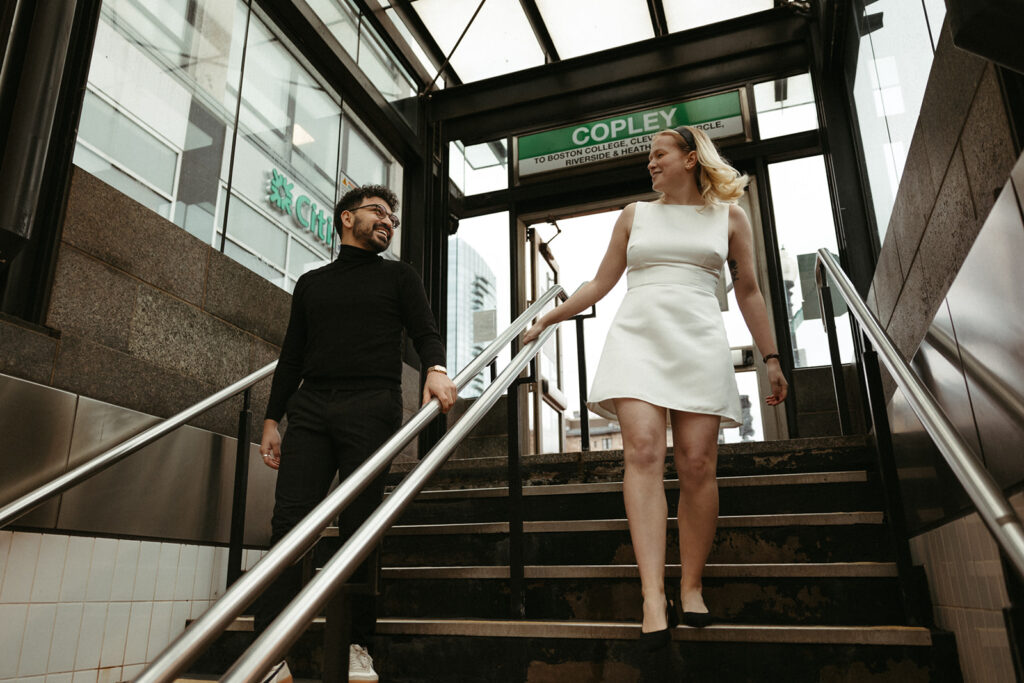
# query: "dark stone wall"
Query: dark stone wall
{"points": [[945, 287], [959, 159], [145, 316]]}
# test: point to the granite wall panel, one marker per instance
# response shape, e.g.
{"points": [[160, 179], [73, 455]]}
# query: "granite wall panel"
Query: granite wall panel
{"points": [[913, 205], [121, 232], [243, 298], [952, 84], [26, 353], [181, 337], [987, 143], [92, 299]]}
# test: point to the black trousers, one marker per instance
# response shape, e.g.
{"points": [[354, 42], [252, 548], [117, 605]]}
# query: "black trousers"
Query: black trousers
{"points": [[329, 431]]}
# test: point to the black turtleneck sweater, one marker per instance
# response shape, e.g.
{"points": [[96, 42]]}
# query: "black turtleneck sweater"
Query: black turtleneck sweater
{"points": [[345, 329]]}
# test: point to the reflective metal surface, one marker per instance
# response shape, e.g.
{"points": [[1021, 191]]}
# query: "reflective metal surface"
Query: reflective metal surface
{"points": [[34, 498], [986, 302], [36, 423], [180, 653], [986, 495], [178, 487]]}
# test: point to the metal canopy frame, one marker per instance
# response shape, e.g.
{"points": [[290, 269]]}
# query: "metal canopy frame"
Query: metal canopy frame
{"points": [[756, 47]]}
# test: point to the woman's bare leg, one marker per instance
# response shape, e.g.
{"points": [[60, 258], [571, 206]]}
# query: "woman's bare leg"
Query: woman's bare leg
{"points": [[695, 447], [643, 439]]}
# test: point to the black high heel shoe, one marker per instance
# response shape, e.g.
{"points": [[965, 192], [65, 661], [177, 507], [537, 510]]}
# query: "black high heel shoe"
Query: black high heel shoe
{"points": [[661, 662], [698, 619], [656, 640]]}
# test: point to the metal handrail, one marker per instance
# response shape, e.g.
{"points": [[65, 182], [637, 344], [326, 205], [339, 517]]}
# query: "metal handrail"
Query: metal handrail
{"points": [[279, 636], [194, 640], [984, 492], [111, 456]]}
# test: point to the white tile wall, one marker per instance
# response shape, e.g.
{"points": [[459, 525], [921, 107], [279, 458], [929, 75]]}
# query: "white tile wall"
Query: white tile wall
{"points": [[75, 609], [968, 591]]}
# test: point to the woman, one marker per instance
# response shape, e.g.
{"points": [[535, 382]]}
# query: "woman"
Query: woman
{"points": [[667, 351]]}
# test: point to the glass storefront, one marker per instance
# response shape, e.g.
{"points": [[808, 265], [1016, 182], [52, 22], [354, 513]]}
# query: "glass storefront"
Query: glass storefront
{"points": [[897, 46], [203, 112]]}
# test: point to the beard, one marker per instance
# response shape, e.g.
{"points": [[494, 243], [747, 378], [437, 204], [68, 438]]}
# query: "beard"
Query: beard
{"points": [[366, 234]]}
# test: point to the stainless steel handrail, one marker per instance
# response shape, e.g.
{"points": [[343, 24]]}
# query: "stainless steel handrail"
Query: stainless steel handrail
{"points": [[275, 641], [36, 497], [190, 644], [994, 509]]}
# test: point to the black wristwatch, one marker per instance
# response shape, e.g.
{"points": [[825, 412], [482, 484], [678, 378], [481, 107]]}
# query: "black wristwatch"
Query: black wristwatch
{"points": [[770, 356]]}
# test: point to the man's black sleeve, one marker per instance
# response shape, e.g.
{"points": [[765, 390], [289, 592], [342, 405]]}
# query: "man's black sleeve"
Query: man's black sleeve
{"points": [[289, 368], [418, 320]]}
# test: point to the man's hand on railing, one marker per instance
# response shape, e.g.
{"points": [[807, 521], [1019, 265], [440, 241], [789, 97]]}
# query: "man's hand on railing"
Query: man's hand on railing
{"points": [[780, 387], [270, 445], [437, 385]]}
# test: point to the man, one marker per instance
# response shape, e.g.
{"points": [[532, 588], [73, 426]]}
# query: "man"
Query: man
{"points": [[344, 344]]}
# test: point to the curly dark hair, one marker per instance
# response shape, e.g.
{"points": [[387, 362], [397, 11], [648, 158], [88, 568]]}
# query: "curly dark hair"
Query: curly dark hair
{"points": [[357, 196]]}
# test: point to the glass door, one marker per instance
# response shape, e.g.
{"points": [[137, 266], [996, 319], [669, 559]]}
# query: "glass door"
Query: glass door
{"points": [[546, 404]]}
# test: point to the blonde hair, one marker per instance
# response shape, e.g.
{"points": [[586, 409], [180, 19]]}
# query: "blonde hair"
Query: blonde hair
{"points": [[718, 182]]}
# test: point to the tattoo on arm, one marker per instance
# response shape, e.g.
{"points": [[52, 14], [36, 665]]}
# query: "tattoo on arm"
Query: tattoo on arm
{"points": [[734, 270]]}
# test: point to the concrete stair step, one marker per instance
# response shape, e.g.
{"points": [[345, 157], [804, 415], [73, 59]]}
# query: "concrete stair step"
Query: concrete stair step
{"points": [[606, 652], [822, 537], [748, 494], [768, 594], [820, 454]]}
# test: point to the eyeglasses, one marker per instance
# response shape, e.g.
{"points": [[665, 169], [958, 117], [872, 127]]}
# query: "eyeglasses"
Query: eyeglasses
{"points": [[382, 213]]}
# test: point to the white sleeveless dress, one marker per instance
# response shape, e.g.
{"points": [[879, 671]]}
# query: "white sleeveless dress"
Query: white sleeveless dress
{"points": [[667, 344]]}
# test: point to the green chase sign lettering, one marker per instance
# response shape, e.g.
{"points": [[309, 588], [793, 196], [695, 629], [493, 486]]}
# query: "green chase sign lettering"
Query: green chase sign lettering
{"points": [[719, 116], [303, 209]]}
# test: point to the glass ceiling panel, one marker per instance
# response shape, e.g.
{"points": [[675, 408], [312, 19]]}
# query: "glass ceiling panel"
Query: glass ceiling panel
{"points": [[681, 15], [500, 40], [580, 27]]}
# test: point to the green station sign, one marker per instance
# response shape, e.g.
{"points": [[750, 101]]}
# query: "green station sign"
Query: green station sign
{"points": [[720, 116], [304, 210]]}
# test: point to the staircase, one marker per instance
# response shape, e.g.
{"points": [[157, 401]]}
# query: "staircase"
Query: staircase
{"points": [[801, 576]]}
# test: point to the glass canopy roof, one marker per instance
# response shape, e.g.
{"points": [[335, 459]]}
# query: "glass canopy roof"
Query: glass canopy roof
{"points": [[509, 35]]}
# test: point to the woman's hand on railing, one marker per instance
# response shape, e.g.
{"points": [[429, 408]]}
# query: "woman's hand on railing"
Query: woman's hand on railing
{"points": [[535, 331], [270, 445], [780, 387]]}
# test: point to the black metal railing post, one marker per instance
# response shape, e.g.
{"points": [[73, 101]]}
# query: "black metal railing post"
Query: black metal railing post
{"points": [[838, 380], [581, 364], [516, 562], [240, 489], [909, 576]]}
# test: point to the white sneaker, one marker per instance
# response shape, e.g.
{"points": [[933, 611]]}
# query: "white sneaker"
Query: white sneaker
{"points": [[279, 674], [360, 664]]}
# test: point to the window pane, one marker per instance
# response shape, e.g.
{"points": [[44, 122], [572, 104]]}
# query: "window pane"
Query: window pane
{"points": [[478, 292], [301, 259], [363, 163], [137, 151], [170, 72], [803, 224], [893, 63], [486, 167], [257, 232], [500, 40], [89, 161], [253, 262], [342, 21], [685, 14], [580, 27], [785, 106]]}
